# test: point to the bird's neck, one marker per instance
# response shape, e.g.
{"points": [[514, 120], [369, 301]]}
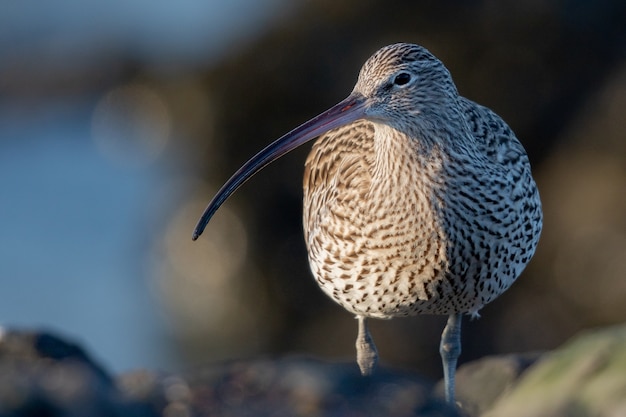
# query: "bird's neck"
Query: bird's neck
{"points": [[404, 159]]}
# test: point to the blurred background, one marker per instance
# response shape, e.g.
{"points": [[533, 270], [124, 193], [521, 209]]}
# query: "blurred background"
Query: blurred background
{"points": [[120, 119]]}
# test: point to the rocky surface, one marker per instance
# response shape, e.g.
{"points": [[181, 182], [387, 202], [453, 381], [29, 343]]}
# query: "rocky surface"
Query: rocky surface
{"points": [[42, 374], [585, 377], [480, 383]]}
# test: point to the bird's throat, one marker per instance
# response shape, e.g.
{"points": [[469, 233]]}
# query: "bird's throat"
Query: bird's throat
{"points": [[405, 161]]}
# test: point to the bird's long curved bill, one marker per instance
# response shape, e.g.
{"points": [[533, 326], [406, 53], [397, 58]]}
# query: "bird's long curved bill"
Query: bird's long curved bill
{"points": [[344, 112]]}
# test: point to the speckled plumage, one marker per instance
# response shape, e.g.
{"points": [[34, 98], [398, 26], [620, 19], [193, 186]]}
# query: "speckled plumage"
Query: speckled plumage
{"points": [[416, 200], [416, 229]]}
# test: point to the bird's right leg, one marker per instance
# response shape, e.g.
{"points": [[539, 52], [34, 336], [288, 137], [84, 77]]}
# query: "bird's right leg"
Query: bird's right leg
{"points": [[366, 353]]}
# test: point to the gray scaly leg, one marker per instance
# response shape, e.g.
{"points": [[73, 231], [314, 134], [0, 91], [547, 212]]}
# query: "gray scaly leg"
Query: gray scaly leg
{"points": [[366, 353], [450, 350]]}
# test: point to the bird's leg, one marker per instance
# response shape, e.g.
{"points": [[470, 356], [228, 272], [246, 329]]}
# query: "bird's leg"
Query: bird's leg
{"points": [[450, 350], [366, 353]]}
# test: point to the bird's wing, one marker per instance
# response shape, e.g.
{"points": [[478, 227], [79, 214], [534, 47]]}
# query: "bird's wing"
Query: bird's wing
{"points": [[494, 137], [498, 142]]}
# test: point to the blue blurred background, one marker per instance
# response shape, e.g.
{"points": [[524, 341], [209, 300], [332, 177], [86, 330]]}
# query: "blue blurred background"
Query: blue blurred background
{"points": [[119, 119], [84, 173]]}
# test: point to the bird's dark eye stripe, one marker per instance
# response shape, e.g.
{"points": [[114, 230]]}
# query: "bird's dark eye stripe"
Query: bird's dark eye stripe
{"points": [[402, 78]]}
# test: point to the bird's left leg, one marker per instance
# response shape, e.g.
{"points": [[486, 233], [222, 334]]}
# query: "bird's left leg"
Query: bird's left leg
{"points": [[450, 350], [366, 353]]}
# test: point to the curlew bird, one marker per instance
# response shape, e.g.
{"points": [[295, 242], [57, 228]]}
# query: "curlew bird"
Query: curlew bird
{"points": [[416, 199]]}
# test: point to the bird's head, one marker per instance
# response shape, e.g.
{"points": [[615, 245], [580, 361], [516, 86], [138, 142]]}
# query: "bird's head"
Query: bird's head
{"points": [[401, 85], [404, 84]]}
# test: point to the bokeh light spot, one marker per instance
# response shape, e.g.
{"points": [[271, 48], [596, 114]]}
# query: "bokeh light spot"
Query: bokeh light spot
{"points": [[131, 125]]}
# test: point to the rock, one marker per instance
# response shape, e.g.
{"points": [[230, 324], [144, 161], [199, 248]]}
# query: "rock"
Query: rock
{"points": [[480, 383], [306, 387], [41, 374], [585, 377], [44, 375]]}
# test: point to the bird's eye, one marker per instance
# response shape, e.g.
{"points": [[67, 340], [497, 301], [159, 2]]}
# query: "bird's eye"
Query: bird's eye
{"points": [[402, 78]]}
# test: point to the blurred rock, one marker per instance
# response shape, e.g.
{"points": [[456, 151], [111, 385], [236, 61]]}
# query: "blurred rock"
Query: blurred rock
{"points": [[480, 383], [585, 377], [44, 375], [296, 386], [41, 374]]}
